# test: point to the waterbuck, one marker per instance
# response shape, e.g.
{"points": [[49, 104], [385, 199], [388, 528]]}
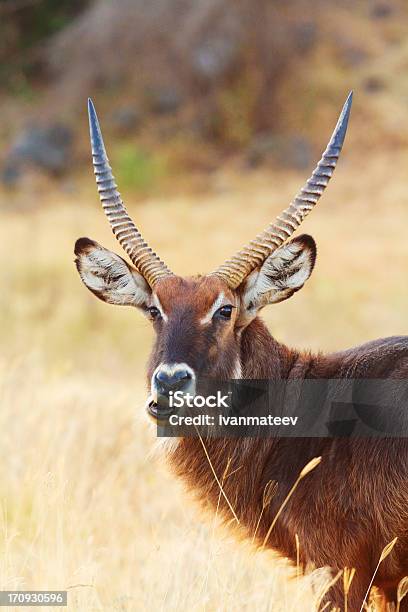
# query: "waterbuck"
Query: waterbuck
{"points": [[356, 500]]}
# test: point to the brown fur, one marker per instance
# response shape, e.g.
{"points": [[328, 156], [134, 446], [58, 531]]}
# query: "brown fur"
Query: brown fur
{"points": [[351, 505], [347, 509], [183, 339]]}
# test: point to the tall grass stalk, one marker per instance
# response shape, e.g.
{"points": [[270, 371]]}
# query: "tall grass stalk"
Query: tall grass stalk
{"points": [[306, 470]]}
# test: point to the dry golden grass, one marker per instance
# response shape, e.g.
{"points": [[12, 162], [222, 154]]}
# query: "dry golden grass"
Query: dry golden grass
{"points": [[84, 503]]}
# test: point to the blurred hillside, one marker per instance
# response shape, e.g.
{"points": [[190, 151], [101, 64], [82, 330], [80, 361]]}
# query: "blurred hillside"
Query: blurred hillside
{"points": [[184, 87]]}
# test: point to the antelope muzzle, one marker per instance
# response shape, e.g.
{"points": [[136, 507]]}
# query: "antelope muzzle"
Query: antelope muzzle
{"points": [[167, 380]]}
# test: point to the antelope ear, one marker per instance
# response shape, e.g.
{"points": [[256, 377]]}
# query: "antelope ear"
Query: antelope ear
{"points": [[281, 275], [108, 276]]}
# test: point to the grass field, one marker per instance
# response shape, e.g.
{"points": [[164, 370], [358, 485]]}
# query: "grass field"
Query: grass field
{"points": [[85, 503]]}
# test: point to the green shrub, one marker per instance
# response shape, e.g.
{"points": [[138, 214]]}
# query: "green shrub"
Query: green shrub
{"points": [[137, 169]]}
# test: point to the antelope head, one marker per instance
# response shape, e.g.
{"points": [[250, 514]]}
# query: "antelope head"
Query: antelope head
{"points": [[199, 320]]}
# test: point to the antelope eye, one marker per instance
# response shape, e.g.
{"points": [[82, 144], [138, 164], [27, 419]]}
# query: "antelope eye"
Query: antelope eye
{"points": [[154, 312], [224, 312]]}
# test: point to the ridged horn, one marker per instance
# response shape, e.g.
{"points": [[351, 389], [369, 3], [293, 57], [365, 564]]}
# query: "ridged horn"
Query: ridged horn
{"points": [[235, 270], [125, 231]]}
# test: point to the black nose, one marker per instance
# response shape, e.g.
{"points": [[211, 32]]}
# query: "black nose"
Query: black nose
{"points": [[166, 381]]}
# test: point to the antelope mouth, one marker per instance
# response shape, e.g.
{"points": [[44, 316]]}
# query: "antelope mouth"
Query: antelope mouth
{"points": [[158, 411]]}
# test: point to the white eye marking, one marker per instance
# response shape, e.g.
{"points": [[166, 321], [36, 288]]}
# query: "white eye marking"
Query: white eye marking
{"points": [[216, 305], [160, 308]]}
